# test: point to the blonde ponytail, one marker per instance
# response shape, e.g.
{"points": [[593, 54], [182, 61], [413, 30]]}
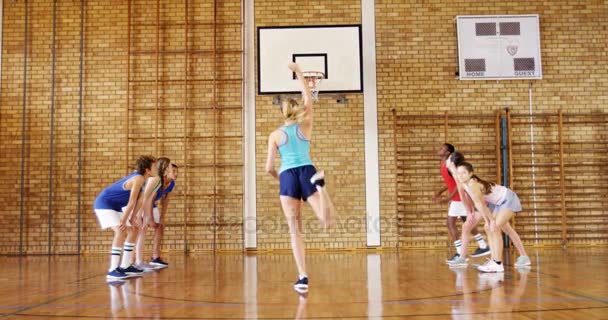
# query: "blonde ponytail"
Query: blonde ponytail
{"points": [[292, 111]]}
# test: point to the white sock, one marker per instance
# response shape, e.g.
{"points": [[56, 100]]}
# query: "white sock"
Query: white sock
{"points": [[115, 258], [127, 257], [479, 238], [458, 244], [302, 276]]}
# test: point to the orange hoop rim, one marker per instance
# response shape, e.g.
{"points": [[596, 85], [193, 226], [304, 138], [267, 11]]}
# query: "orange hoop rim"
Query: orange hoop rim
{"points": [[313, 78], [313, 74]]}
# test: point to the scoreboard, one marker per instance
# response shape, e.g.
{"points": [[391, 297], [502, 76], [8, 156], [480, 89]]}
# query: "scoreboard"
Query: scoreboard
{"points": [[499, 47]]}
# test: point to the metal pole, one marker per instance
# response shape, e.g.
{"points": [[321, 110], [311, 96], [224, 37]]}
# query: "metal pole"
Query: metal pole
{"points": [[185, 132], [52, 133], [126, 123], [497, 121], [562, 179], [23, 116], [80, 126], [534, 201], [504, 123], [396, 159], [156, 111], [215, 129]]}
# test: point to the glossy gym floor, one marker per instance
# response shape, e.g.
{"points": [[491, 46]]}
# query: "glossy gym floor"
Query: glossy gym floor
{"points": [[560, 284]]}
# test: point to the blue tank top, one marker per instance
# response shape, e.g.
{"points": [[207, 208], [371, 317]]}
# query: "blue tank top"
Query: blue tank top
{"points": [[115, 197], [160, 194], [294, 148]]}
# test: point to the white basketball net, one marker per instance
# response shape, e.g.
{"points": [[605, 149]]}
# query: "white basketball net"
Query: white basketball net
{"points": [[313, 79]]}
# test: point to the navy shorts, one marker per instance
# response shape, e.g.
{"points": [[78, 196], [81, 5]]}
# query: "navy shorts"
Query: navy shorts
{"points": [[295, 182]]}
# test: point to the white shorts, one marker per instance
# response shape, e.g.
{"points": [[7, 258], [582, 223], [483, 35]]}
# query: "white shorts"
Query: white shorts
{"points": [[457, 209], [156, 215], [109, 218], [511, 202]]}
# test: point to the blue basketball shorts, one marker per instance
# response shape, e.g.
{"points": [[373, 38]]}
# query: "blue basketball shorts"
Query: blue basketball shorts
{"points": [[295, 182]]}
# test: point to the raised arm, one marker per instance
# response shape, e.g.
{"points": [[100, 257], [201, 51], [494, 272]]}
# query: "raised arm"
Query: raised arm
{"points": [[306, 94]]}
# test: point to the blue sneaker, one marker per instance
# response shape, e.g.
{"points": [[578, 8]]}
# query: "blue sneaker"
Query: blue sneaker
{"points": [[481, 252], [301, 285], [131, 271], [159, 262], [116, 274]]}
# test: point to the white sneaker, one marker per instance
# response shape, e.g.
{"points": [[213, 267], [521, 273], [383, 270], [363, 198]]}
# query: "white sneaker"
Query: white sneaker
{"points": [[491, 266], [485, 263], [459, 262], [522, 261], [317, 176]]}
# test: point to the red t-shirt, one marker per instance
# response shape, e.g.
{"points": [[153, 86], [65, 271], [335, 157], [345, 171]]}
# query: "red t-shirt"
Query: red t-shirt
{"points": [[449, 181]]}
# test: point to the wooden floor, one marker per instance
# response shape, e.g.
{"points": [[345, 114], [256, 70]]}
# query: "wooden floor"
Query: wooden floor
{"points": [[570, 284]]}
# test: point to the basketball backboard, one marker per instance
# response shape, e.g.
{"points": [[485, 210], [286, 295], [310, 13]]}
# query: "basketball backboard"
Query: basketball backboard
{"points": [[334, 50]]}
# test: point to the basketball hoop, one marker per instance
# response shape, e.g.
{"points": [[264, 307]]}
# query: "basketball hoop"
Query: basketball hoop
{"points": [[313, 79]]}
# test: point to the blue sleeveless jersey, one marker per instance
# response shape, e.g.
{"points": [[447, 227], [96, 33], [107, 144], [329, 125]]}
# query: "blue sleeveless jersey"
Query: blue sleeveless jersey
{"points": [[115, 197], [294, 149], [165, 192]]}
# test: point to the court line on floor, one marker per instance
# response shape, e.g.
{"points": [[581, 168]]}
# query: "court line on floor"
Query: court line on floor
{"points": [[75, 294], [328, 317]]}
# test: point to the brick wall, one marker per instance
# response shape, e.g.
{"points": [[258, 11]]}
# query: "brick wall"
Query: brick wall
{"points": [[337, 142], [416, 62]]}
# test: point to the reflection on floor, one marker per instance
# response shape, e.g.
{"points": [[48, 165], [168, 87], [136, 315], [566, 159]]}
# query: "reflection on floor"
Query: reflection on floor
{"points": [[560, 284]]}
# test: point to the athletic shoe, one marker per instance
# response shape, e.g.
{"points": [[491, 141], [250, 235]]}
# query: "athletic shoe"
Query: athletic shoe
{"points": [[491, 266], [459, 262], [146, 267], [132, 271], [481, 252], [454, 257], [159, 262], [116, 274], [301, 285], [320, 175], [522, 261]]}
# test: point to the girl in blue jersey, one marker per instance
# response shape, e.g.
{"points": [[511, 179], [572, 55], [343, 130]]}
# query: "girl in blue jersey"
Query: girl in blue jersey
{"points": [[116, 207], [298, 178], [157, 188]]}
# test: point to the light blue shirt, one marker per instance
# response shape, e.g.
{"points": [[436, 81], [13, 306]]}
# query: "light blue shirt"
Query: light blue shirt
{"points": [[294, 148]]}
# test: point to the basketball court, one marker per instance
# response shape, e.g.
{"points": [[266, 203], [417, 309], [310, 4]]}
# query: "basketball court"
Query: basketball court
{"points": [[356, 285]]}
